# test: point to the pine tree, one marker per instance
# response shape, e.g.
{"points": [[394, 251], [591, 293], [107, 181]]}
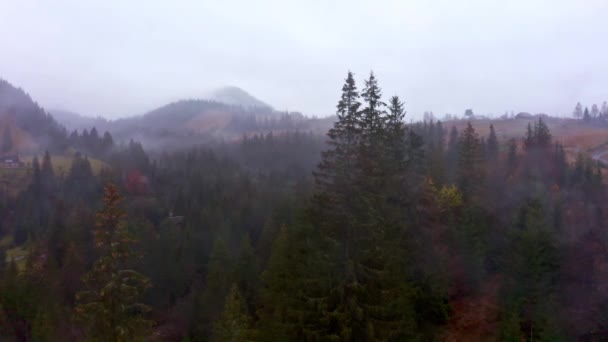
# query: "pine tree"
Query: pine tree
{"points": [[107, 142], [578, 111], [586, 116], [396, 156], [7, 141], [297, 283], [595, 111], [542, 134], [453, 152], [46, 169], [469, 171], [109, 308], [337, 167], [234, 322], [492, 144], [246, 270], [529, 138], [534, 265], [220, 273], [372, 120]]}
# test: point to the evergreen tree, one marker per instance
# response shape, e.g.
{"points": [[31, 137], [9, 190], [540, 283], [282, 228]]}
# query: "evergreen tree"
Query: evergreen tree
{"points": [[339, 161], [246, 270], [7, 141], [46, 169], [453, 151], [297, 288], [220, 272], [109, 308], [469, 171], [595, 111], [529, 138], [107, 142], [586, 116], [534, 265], [372, 119], [396, 138], [578, 111], [234, 322], [492, 144]]}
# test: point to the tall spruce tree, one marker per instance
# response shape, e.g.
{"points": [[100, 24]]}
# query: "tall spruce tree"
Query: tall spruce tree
{"points": [[578, 111], [109, 308], [492, 145], [534, 264], [234, 323], [586, 116], [512, 161], [469, 160]]}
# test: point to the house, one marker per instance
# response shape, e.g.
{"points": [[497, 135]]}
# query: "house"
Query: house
{"points": [[524, 115], [11, 162]]}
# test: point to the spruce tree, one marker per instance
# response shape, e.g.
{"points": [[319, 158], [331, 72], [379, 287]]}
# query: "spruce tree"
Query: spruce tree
{"points": [[7, 141], [578, 111], [469, 159], [453, 149], [586, 116], [220, 271], [372, 117], [109, 308], [512, 157], [492, 144], [234, 323], [534, 265]]}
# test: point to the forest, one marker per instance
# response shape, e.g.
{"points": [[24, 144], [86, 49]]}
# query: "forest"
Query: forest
{"points": [[377, 231]]}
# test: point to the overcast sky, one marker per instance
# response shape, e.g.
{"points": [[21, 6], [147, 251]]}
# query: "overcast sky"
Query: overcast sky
{"points": [[118, 58]]}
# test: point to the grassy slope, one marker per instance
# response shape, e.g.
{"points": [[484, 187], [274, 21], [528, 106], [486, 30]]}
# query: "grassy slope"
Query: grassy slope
{"points": [[16, 180], [22, 140], [574, 135], [63, 163]]}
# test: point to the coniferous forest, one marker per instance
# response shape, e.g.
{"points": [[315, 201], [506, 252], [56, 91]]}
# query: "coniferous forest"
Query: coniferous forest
{"points": [[377, 231]]}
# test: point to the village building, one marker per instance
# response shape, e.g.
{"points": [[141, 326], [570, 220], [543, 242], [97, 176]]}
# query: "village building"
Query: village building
{"points": [[11, 162]]}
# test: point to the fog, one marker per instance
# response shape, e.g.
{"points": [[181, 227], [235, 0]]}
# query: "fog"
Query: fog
{"points": [[120, 58]]}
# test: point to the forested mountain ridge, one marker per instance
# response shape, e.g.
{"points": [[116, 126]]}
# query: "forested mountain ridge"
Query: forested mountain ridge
{"points": [[74, 121], [403, 232], [26, 122], [228, 114]]}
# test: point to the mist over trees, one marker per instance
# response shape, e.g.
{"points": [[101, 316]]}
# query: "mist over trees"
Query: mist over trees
{"points": [[377, 231]]}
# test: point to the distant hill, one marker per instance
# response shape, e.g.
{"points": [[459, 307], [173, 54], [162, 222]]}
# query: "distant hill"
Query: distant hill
{"points": [[29, 126], [74, 121], [229, 114], [238, 97]]}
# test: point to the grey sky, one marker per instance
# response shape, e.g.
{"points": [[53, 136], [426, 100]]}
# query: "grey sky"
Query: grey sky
{"points": [[117, 57]]}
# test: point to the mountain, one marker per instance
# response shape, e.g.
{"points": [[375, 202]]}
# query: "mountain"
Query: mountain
{"points": [[238, 97], [195, 121], [225, 114], [74, 121], [28, 125]]}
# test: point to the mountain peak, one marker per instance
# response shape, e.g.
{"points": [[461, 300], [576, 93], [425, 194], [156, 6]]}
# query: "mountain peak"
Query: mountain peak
{"points": [[236, 96]]}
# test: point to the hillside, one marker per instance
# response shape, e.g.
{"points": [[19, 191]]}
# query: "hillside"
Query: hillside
{"points": [[30, 126], [195, 121], [575, 135], [74, 121], [238, 97]]}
